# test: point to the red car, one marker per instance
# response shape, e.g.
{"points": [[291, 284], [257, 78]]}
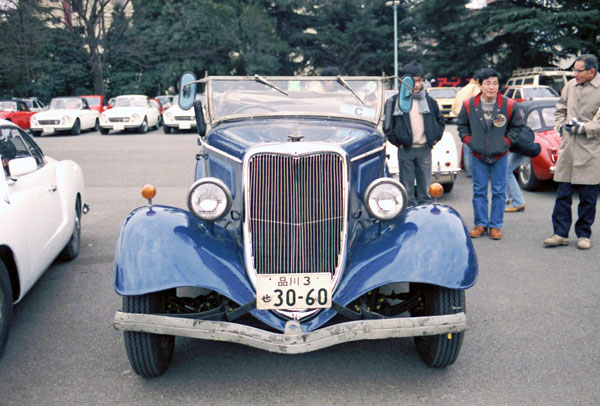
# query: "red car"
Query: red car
{"points": [[96, 102], [16, 110], [539, 116]]}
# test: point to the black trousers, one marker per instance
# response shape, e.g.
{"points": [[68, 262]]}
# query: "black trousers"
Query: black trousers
{"points": [[586, 211]]}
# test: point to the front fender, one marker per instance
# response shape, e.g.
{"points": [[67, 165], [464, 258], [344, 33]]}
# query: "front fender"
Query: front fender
{"points": [[164, 247]]}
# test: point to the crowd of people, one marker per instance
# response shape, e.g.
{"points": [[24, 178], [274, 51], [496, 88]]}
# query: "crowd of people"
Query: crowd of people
{"points": [[496, 141]]}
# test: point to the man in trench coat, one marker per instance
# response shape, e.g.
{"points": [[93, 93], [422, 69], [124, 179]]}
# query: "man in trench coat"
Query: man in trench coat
{"points": [[578, 167]]}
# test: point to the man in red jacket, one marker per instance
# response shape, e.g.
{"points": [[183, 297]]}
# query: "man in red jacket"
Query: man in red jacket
{"points": [[488, 123]]}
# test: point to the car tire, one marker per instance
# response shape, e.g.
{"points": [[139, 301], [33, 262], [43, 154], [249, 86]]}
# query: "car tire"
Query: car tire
{"points": [[76, 129], [439, 351], [71, 250], [144, 127], [526, 176], [167, 129], [36, 133], [448, 187], [104, 131], [97, 125], [6, 303], [149, 354]]}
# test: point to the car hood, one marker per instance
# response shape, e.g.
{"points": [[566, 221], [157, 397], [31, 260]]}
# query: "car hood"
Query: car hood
{"points": [[235, 138], [178, 111], [58, 113], [124, 111]]}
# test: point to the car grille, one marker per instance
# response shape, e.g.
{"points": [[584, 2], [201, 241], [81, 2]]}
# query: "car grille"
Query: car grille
{"points": [[119, 119], [49, 122], [295, 212], [184, 118]]}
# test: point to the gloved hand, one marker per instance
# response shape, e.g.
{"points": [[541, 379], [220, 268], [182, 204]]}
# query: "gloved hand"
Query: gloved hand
{"points": [[575, 127]]}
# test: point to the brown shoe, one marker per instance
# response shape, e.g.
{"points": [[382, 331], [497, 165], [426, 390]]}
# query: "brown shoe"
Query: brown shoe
{"points": [[478, 231], [511, 209], [495, 233]]}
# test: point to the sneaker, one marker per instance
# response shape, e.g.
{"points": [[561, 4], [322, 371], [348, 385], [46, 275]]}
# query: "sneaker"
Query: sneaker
{"points": [[584, 243], [511, 209], [555, 240], [495, 233], [478, 231]]}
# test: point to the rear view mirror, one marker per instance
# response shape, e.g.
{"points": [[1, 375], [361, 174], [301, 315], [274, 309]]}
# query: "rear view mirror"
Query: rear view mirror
{"points": [[187, 90], [405, 95]]}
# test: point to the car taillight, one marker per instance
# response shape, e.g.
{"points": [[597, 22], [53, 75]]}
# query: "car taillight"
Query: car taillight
{"points": [[554, 155]]}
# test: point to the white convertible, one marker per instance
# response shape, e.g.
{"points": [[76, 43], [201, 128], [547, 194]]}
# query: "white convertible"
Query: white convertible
{"points": [[175, 118], [130, 112], [41, 203], [71, 114]]}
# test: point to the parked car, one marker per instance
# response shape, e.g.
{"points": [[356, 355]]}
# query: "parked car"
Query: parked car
{"points": [[539, 116], [16, 111], [556, 78], [34, 104], [445, 97], [130, 112], [177, 119], [65, 114], [530, 92], [293, 239], [445, 159], [41, 203], [161, 110], [96, 102]]}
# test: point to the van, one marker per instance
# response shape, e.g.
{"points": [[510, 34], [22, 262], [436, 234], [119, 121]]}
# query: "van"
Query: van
{"points": [[553, 77]]}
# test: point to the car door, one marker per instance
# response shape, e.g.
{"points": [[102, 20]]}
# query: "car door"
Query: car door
{"points": [[22, 115], [37, 195], [88, 118]]}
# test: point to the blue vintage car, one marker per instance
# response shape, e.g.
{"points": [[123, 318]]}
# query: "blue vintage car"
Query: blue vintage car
{"points": [[294, 239]]}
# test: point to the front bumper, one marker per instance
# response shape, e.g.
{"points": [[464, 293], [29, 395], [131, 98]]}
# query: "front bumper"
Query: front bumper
{"points": [[292, 340], [181, 125], [50, 129]]}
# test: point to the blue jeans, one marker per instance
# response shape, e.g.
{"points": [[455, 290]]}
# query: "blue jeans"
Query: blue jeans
{"points": [[586, 211], [513, 191], [467, 158], [496, 172], [415, 165]]}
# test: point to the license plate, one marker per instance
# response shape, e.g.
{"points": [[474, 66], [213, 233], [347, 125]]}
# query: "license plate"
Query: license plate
{"points": [[48, 129], [185, 126], [118, 127], [296, 291]]}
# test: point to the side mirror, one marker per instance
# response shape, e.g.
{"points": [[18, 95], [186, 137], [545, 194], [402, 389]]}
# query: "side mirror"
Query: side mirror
{"points": [[200, 123], [405, 94], [21, 166], [388, 112], [187, 90]]}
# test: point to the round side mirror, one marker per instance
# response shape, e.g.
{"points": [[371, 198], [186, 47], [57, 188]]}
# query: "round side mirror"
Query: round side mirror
{"points": [[187, 90]]}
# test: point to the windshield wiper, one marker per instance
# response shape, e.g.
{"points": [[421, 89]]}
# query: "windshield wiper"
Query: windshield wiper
{"points": [[347, 86], [266, 82]]}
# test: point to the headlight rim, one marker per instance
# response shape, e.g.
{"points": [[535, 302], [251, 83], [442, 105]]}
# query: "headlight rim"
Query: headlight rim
{"points": [[378, 182], [222, 186]]}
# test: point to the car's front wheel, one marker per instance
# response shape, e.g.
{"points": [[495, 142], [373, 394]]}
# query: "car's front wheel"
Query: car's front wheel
{"points": [[76, 129], [71, 250], [104, 131], [149, 354], [6, 302], [97, 125], [439, 351], [144, 127], [167, 129], [448, 187], [36, 133], [526, 177]]}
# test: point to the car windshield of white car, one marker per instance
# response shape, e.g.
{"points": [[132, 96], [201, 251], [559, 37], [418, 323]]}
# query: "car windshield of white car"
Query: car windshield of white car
{"points": [[357, 98], [8, 106], [70, 104]]}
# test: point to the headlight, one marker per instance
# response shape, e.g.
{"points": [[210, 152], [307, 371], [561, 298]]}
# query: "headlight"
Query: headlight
{"points": [[65, 120], [168, 115], [135, 117], [385, 199], [33, 120], [209, 199]]}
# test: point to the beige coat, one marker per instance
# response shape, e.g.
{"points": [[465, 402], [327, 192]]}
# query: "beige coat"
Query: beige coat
{"points": [[579, 155], [470, 90]]}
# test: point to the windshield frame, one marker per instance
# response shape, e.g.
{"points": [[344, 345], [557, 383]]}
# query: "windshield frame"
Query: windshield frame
{"points": [[212, 95]]}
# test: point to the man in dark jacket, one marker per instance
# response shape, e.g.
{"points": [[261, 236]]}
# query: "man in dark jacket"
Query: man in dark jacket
{"points": [[415, 133], [488, 123]]}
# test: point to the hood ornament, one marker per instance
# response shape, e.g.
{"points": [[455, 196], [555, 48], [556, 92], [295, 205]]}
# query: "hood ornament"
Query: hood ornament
{"points": [[295, 137]]}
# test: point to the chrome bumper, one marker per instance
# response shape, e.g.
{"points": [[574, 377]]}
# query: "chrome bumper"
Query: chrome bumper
{"points": [[292, 340]]}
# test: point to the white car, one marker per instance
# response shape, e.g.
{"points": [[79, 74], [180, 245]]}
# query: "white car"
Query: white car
{"points": [[445, 161], [175, 118], [71, 114], [41, 203], [130, 112]]}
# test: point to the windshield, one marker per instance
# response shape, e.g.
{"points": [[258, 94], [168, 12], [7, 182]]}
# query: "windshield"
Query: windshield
{"points": [[70, 104], [448, 93], [92, 101], [358, 98], [130, 102], [8, 106], [537, 92]]}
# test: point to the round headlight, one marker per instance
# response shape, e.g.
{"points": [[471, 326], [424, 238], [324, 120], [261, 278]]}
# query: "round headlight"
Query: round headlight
{"points": [[135, 117], [65, 120], [209, 199], [385, 199], [168, 115]]}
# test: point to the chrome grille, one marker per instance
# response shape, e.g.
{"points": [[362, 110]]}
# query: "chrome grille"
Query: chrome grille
{"points": [[296, 212], [49, 122], [118, 119], [185, 118]]}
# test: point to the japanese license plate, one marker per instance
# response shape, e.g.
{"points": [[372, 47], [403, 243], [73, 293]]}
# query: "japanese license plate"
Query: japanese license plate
{"points": [[118, 127], [296, 291], [48, 129], [185, 126]]}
